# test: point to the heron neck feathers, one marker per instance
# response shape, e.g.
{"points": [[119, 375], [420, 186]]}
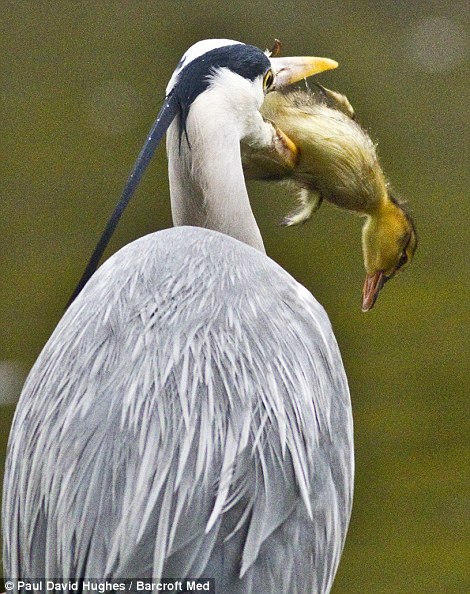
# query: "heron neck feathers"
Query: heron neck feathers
{"points": [[207, 185]]}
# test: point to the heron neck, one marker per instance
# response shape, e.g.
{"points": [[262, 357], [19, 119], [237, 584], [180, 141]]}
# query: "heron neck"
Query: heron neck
{"points": [[207, 185]]}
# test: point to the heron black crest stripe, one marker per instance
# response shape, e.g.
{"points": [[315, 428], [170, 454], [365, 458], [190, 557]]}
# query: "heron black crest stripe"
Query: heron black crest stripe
{"points": [[246, 60]]}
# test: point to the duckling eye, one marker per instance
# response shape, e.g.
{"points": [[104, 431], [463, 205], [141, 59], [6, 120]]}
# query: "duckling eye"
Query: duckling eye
{"points": [[403, 260], [268, 80]]}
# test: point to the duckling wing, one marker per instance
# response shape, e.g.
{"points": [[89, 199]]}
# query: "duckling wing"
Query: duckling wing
{"points": [[309, 202]]}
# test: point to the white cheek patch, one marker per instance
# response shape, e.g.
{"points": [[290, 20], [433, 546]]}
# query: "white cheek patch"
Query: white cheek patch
{"points": [[234, 94]]}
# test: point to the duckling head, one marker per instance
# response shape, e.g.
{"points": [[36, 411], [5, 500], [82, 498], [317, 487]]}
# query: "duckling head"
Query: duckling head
{"points": [[389, 242]]}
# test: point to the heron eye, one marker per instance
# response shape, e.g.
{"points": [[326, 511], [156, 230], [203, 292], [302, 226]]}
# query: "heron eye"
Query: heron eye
{"points": [[268, 80]]}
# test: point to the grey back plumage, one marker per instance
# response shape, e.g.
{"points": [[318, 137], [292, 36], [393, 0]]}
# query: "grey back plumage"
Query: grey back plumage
{"points": [[189, 416]]}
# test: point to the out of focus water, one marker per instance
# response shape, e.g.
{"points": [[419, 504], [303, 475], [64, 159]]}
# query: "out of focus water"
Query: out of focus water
{"points": [[80, 85]]}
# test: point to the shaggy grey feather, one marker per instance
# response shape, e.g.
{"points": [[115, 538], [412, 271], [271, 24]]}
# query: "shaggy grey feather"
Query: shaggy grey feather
{"points": [[188, 417]]}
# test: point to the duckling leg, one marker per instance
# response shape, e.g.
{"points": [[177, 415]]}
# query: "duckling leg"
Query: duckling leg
{"points": [[309, 202]]}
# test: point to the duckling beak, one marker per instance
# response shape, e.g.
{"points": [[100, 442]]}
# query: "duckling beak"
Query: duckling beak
{"points": [[288, 71], [372, 286]]}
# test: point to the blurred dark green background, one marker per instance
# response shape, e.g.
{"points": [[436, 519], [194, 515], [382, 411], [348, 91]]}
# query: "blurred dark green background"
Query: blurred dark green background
{"points": [[80, 85]]}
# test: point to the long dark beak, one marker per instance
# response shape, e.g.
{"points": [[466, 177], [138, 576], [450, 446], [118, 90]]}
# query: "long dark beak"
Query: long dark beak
{"points": [[165, 117]]}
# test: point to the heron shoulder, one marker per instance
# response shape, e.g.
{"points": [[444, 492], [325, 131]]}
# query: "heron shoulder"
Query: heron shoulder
{"points": [[188, 281], [201, 261]]}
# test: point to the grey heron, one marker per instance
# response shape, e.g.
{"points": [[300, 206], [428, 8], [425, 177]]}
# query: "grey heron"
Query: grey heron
{"points": [[190, 414]]}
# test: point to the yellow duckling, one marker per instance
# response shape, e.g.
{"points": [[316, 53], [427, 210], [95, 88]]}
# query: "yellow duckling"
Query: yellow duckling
{"points": [[338, 163]]}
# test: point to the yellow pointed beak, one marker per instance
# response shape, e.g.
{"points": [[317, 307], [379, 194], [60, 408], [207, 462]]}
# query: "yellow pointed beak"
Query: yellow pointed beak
{"points": [[288, 71]]}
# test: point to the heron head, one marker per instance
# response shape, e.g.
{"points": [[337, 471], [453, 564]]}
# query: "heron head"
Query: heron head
{"points": [[238, 76], [389, 243]]}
